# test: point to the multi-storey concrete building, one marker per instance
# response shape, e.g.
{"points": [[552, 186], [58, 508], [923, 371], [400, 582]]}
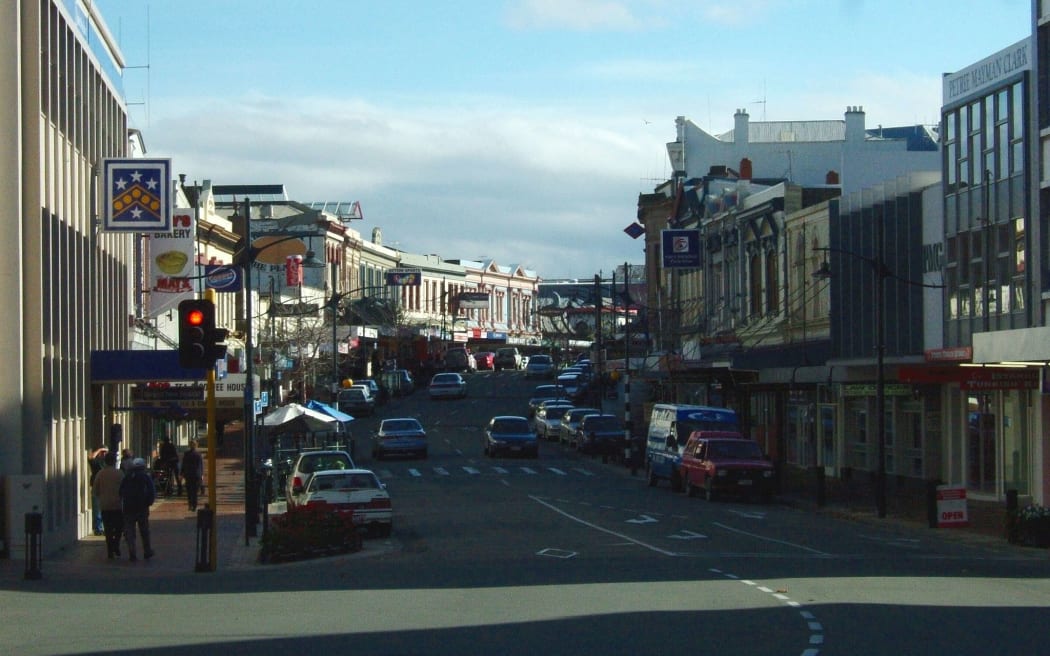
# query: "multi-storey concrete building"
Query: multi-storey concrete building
{"points": [[67, 287]]}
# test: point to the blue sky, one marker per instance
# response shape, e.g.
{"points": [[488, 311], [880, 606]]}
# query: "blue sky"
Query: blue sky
{"points": [[519, 130]]}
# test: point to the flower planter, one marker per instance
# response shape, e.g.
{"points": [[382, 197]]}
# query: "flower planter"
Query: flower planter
{"points": [[309, 532], [1032, 526]]}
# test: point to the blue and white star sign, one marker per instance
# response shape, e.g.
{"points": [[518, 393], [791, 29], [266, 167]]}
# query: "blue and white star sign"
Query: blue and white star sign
{"points": [[136, 195]]}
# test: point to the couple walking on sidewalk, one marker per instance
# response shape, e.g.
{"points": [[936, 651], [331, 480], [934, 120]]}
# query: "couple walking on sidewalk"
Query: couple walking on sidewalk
{"points": [[125, 502]]}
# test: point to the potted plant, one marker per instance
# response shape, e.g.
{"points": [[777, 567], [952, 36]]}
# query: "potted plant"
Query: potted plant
{"points": [[1032, 526]]}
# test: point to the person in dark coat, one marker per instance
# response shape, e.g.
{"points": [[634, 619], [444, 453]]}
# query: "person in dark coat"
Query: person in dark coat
{"points": [[137, 494], [193, 472], [169, 459]]}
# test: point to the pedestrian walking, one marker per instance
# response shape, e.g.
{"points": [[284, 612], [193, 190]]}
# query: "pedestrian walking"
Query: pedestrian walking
{"points": [[193, 472], [169, 460], [137, 494], [106, 487], [97, 462], [126, 459]]}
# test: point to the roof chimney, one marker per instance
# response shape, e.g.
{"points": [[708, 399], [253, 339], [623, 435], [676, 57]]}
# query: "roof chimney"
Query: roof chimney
{"points": [[855, 123], [740, 127]]}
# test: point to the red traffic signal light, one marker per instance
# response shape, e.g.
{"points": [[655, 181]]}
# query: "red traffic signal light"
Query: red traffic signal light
{"points": [[196, 322]]}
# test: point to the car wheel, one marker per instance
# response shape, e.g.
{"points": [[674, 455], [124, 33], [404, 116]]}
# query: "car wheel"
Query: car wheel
{"points": [[676, 482], [709, 491], [650, 475], [690, 489]]}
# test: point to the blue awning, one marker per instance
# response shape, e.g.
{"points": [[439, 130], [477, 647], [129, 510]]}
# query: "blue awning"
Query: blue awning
{"points": [[328, 410]]}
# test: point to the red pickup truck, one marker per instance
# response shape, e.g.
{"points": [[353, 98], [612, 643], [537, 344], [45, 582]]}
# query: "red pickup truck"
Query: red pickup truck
{"points": [[720, 462]]}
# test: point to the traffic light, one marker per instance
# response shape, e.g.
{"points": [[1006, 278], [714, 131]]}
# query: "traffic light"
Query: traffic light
{"points": [[200, 342]]}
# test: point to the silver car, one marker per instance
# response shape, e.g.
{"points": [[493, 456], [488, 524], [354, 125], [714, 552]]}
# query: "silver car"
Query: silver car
{"points": [[447, 386]]}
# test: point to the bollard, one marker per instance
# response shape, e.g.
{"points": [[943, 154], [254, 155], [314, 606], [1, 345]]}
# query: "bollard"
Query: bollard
{"points": [[1013, 532], [931, 502], [819, 483], [34, 544], [205, 522]]}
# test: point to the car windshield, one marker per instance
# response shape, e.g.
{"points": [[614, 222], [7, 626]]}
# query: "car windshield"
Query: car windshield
{"points": [[735, 449], [576, 414], [348, 481], [540, 359], [398, 425], [515, 425], [445, 379], [557, 411], [605, 422], [321, 462]]}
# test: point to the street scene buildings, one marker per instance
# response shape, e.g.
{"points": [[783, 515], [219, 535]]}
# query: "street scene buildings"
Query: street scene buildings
{"points": [[872, 300]]}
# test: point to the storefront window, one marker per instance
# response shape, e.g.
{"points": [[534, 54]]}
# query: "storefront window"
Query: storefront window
{"points": [[980, 443]]}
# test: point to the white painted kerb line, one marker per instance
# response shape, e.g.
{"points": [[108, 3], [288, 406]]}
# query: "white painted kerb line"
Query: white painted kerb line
{"points": [[762, 537], [602, 529]]}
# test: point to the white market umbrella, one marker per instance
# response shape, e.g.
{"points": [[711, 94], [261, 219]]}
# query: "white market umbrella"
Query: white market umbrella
{"points": [[295, 418]]}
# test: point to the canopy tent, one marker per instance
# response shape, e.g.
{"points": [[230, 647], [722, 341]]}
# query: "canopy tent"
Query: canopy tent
{"points": [[295, 418], [324, 408]]}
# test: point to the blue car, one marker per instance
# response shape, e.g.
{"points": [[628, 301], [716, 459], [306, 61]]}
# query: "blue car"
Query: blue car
{"points": [[510, 435], [402, 436]]}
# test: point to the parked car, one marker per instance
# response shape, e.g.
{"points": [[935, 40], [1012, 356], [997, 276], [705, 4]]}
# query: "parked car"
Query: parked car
{"points": [[508, 357], [356, 491], [540, 366], [377, 392], [460, 359], [573, 384], [447, 385], [310, 461], [398, 382], [570, 421], [547, 421], [485, 360], [600, 434], [544, 392], [724, 462], [399, 436], [511, 435], [355, 401]]}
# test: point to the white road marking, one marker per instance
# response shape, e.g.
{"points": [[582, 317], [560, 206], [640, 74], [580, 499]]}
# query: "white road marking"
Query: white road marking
{"points": [[500, 470], [528, 470], [602, 529], [414, 472], [583, 471], [762, 537], [440, 471], [644, 519], [471, 470], [687, 535], [750, 514], [556, 471]]}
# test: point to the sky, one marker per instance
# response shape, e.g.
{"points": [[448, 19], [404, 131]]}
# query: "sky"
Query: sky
{"points": [[516, 130]]}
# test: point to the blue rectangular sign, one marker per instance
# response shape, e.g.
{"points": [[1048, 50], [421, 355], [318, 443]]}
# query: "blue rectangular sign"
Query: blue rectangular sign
{"points": [[136, 195], [681, 249]]}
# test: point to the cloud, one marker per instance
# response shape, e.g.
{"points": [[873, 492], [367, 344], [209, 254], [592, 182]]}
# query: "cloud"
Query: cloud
{"points": [[539, 187], [577, 15]]}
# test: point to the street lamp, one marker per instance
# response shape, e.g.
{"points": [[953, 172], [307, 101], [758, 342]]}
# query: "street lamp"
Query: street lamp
{"points": [[880, 272], [246, 258]]}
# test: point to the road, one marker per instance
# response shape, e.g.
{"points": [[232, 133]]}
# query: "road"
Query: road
{"points": [[566, 555]]}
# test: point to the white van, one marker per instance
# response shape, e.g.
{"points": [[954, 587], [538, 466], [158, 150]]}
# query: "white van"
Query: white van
{"points": [[670, 426]]}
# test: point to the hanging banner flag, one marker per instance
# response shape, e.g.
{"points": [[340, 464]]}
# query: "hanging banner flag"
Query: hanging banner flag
{"points": [[136, 195], [681, 249], [171, 259]]}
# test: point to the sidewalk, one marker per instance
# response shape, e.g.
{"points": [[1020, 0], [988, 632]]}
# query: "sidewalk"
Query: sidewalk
{"points": [[173, 532]]}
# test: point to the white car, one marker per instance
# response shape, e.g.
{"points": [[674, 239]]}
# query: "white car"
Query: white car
{"points": [[310, 462], [448, 385], [351, 490]]}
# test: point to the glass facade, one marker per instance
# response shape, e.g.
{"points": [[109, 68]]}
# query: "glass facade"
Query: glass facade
{"points": [[986, 208]]}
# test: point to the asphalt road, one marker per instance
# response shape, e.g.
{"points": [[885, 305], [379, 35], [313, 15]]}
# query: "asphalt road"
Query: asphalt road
{"points": [[566, 555]]}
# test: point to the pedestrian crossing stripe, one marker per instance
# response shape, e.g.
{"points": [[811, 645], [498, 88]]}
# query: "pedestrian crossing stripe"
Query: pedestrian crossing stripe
{"points": [[415, 472]]}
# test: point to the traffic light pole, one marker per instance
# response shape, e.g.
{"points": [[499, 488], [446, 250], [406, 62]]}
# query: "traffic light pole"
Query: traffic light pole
{"points": [[251, 495], [213, 543]]}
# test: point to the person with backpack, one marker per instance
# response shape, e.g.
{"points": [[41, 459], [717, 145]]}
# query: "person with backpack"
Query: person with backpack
{"points": [[137, 494], [193, 472]]}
